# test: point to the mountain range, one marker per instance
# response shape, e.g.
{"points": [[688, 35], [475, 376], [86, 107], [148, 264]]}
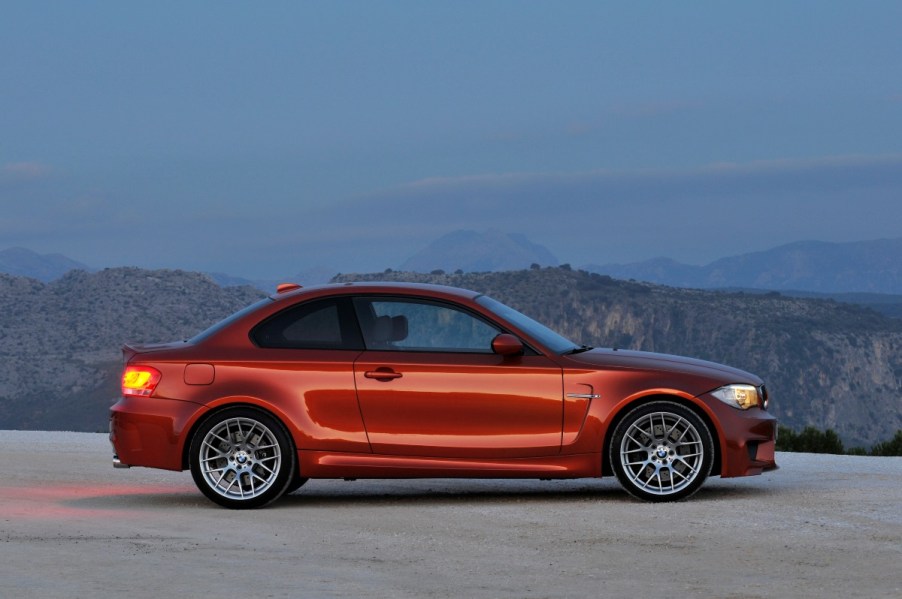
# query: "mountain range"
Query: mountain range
{"points": [[806, 267], [827, 364], [23, 262], [813, 266]]}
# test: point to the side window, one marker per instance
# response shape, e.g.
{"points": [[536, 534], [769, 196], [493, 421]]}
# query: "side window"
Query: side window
{"points": [[416, 325], [325, 324]]}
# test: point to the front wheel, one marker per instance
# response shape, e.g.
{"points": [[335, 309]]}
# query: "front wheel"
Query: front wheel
{"points": [[242, 458], [661, 451]]}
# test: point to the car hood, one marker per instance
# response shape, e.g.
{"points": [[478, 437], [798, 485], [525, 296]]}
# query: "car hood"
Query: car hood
{"points": [[640, 360]]}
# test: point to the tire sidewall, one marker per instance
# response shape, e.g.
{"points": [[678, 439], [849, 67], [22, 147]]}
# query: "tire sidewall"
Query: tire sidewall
{"points": [[297, 481], [639, 412], [287, 466]]}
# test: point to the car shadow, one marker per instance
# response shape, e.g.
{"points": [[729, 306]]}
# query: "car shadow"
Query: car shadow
{"points": [[609, 492], [374, 494], [726, 491], [383, 493], [163, 499]]}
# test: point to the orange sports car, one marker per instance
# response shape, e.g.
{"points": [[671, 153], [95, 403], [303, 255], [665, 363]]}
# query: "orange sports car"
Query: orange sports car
{"points": [[389, 380]]}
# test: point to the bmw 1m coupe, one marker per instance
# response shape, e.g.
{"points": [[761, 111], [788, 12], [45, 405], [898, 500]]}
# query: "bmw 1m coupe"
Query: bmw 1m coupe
{"points": [[393, 380]]}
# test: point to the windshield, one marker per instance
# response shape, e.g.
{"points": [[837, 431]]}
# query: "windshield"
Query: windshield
{"points": [[556, 343]]}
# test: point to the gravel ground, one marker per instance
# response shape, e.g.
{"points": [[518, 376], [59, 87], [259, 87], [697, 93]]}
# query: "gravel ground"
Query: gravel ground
{"points": [[72, 526]]}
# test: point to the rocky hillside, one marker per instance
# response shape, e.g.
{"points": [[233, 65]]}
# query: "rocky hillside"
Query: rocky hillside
{"points": [[60, 357], [827, 364]]}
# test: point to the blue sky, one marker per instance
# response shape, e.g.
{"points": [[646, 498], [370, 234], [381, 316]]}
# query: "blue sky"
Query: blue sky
{"points": [[263, 139]]}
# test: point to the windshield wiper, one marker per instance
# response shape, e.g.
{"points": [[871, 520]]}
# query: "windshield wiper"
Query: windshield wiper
{"points": [[578, 350]]}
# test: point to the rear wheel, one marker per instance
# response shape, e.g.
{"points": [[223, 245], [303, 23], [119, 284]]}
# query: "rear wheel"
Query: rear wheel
{"points": [[661, 451], [242, 458]]}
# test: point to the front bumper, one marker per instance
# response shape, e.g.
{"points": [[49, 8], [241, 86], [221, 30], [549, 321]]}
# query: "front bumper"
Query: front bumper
{"points": [[747, 439]]}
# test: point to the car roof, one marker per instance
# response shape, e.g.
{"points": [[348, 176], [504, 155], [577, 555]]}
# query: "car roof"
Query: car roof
{"points": [[379, 287], [236, 326]]}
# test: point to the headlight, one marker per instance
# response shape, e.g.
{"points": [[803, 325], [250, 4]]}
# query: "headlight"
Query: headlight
{"points": [[738, 396]]}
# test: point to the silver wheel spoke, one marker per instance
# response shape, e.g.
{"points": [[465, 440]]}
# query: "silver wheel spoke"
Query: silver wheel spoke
{"points": [[223, 439], [636, 441], [221, 477], [268, 470], [674, 427], [680, 474], [692, 469]]}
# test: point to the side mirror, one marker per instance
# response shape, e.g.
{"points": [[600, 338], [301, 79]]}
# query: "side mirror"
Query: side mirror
{"points": [[506, 344]]}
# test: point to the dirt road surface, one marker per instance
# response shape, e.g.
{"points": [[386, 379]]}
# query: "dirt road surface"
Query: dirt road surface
{"points": [[71, 526]]}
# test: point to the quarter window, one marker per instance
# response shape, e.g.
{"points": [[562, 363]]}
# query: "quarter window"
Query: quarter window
{"points": [[315, 325]]}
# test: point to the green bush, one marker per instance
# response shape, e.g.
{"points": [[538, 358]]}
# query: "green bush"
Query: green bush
{"points": [[812, 440], [892, 447]]}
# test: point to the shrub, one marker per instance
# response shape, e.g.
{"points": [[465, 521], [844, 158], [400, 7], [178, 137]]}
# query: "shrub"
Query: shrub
{"points": [[892, 447], [812, 440]]}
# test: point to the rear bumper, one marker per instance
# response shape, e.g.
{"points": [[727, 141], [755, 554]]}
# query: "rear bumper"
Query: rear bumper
{"points": [[148, 431]]}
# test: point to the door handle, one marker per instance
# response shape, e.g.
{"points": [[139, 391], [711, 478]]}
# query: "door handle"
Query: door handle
{"points": [[382, 374]]}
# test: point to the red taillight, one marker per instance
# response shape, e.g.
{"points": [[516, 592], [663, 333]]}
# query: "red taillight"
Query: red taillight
{"points": [[140, 380]]}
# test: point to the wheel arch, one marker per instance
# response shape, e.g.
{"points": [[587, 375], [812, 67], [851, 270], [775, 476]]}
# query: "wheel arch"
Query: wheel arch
{"points": [[229, 404], [626, 407]]}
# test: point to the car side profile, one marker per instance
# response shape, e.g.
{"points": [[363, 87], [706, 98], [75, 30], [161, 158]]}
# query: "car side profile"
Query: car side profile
{"points": [[395, 380]]}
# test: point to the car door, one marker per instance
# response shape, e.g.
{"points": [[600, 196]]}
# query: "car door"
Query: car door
{"points": [[303, 363], [428, 384]]}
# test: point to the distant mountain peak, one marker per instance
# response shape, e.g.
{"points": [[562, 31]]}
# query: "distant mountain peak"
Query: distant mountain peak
{"points": [[473, 251], [22, 262]]}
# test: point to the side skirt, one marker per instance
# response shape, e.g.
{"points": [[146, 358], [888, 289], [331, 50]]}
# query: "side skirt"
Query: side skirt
{"points": [[321, 464]]}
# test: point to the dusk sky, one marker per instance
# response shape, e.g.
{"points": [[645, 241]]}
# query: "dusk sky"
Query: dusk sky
{"points": [[262, 139]]}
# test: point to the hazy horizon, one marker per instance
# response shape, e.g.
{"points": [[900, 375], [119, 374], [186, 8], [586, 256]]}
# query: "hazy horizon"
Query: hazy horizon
{"points": [[317, 271]]}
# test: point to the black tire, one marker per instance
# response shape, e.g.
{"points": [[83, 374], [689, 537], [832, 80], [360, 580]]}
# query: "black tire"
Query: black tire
{"points": [[297, 481], [242, 458], [661, 451]]}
